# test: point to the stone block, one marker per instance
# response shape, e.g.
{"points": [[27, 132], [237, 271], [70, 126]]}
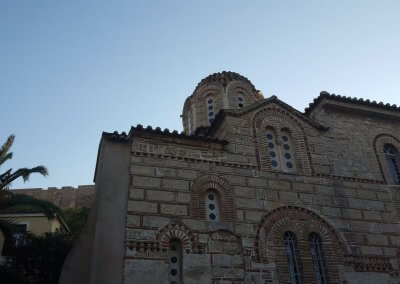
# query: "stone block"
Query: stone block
{"points": [[142, 170], [140, 235], [254, 215], [306, 198], [374, 204], [173, 209], [279, 184], [366, 194], [372, 215], [145, 271], [196, 225], [136, 193], [187, 174], [351, 213], [323, 200], [183, 197], [142, 206], [146, 182], [302, 187], [357, 203], [244, 229], [371, 250], [257, 182], [160, 195], [196, 268], [249, 203], [176, 184], [331, 211], [132, 220], [155, 221], [288, 196], [388, 228], [377, 239], [246, 192]]}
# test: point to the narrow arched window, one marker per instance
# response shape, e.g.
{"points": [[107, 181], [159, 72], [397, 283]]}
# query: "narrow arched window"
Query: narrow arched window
{"points": [[240, 101], [286, 152], [190, 120], [392, 157], [293, 258], [175, 262], [273, 150], [212, 206], [280, 151], [318, 258], [210, 104]]}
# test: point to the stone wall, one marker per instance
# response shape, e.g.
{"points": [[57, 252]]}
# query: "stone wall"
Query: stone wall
{"points": [[64, 197], [356, 218]]}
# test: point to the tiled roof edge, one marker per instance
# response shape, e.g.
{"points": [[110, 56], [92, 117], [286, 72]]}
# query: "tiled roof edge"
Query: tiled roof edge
{"points": [[174, 134], [359, 101]]}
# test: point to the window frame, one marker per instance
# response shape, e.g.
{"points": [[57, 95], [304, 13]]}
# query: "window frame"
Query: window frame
{"points": [[293, 257]]}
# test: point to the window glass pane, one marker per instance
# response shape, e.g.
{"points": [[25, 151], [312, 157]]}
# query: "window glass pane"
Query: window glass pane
{"points": [[318, 258], [286, 152], [392, 158], [293, 258], [212, 206], [175, 263]]}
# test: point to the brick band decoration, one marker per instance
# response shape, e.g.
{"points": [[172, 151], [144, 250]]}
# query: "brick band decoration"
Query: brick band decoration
{"points": [[279, 119], [224, 190], [175, 231], [367, 263], [380, 141], [270, 246]]}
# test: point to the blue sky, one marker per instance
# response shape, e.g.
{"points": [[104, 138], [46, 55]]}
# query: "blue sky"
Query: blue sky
{"points": [[72, 69]]}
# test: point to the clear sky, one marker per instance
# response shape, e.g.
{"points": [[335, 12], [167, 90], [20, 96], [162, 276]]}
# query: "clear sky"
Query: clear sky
{"points": [[72, 69]]}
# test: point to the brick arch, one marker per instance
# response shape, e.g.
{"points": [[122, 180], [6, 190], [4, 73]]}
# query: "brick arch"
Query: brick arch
{"points": [[379, 141], [270, 247], [199, 102], [234, 87], [279, 119], [224, 190], [175, 231]]}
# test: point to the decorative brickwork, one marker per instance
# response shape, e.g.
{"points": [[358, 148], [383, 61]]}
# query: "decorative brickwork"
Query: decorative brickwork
{"points": [[270, 247], [225, 192], [175, 231], [279, 120], [379, 142], [368, 263]]}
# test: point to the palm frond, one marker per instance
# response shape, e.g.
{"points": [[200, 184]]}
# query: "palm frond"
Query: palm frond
{"points": [[22, 202], [24, 173], [4, 155]]}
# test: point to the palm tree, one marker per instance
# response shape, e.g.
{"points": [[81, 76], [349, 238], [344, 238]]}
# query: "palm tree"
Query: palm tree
{"points": [[11, 201]]}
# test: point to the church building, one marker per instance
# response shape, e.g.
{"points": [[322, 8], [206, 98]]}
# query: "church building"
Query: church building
{"points": [[252, 191]]}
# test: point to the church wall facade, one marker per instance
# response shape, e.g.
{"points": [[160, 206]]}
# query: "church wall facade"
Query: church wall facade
{"points": [[264, 194]]}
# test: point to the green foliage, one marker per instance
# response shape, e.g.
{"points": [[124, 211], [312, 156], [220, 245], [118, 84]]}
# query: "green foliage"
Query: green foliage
{"points": [[39, 261], [75, 218], [8, 176]]}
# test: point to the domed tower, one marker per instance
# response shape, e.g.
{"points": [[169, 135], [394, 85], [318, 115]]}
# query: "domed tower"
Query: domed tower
{"points": [[224, 90]]}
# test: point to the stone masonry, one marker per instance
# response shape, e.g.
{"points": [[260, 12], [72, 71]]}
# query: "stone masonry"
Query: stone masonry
{"points": [[337, 185]]}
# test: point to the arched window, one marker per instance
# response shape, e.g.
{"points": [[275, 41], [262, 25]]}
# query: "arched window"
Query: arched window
{"points": [[211, 112], [212, 206], [392, 157], [318, 258], [287, 157], [293, 257], [240, 101], [175, 262], [190, 120], [280, 151]]}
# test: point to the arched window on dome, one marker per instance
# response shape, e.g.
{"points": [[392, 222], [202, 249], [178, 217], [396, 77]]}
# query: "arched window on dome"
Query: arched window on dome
{"points": [[293, 258], [190, 121], [393, 159], [240, 100], [210, 111], [175, 262], [318, 258], [280, 151], [212, 206]]}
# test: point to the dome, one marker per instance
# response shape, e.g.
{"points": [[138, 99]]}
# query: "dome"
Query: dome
{"points": [[223, 78]]}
